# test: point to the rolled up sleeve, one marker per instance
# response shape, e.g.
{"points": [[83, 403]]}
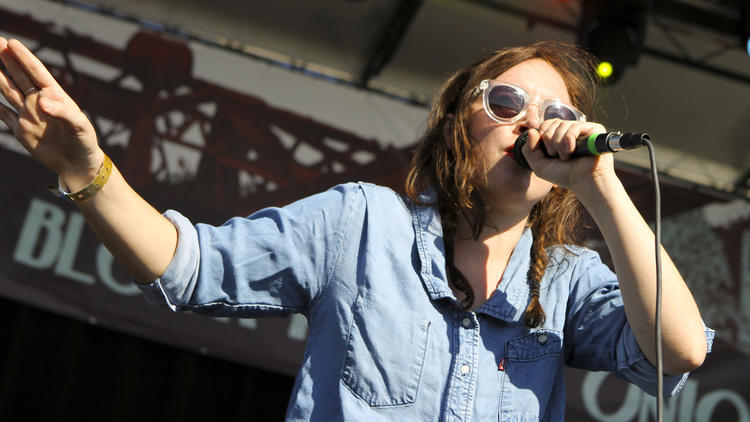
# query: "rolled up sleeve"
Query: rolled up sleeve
{"points": [[600, 337], [274, 262], [175, 286]]}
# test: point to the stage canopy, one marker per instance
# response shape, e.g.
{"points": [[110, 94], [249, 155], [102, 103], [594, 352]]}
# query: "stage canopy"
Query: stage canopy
{"points": [[689, 88]]}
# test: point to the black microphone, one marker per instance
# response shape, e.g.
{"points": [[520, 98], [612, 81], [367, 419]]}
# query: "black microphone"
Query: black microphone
{"points": [[587, 145]]}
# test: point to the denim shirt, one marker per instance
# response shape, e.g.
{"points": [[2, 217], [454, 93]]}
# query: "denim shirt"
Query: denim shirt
{"points": [[388, 340]]}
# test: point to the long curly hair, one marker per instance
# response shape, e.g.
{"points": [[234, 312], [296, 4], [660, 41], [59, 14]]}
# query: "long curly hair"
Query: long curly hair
{"points": [[449, 162]]}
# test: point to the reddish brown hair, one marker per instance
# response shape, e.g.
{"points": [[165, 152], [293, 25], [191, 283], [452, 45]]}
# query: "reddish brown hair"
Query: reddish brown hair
{"points": [[452, 165]]}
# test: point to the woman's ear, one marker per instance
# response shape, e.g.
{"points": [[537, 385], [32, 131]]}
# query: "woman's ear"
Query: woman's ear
{"points": [[447, 128]]}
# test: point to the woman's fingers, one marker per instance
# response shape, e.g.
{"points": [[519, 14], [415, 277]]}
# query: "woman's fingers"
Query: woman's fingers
{"points": [[46, 121], [547, 130], [9, 117], [531, 150], [25, 76], [14, 70], [560, 136], [565, 138], [8, 87], [35, 71], [10, 92]]}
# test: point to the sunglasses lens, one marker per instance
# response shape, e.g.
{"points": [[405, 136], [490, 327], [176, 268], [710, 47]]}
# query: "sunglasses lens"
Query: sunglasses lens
{"points": [[560, 111], [505, 102]]}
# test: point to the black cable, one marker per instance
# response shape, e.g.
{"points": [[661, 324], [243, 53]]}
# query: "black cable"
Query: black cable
{"points": [[657, 247]]}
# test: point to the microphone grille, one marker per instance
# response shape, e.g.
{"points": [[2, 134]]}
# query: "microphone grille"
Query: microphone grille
{"points": [[517, 154]]}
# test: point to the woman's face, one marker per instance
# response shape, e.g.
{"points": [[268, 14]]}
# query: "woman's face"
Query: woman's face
{"points": [[508, 185]]}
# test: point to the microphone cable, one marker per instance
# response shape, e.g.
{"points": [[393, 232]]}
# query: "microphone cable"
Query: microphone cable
{"points": [[614, 142], [657, 248]]}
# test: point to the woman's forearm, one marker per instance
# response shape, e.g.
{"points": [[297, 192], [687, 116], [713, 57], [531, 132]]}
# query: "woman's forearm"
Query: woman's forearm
{"points": [[631, 244], [136, 234]]}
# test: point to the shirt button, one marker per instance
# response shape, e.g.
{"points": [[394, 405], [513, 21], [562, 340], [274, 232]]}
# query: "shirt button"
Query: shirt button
{"points": [[541, 338], [466, 322], [465, 369]]}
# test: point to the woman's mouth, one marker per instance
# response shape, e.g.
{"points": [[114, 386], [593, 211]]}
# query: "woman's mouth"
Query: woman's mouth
{"points": [[509, 151]]}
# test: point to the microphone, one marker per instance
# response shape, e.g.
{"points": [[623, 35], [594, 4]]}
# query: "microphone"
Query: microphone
{"points": [[595, 144]]}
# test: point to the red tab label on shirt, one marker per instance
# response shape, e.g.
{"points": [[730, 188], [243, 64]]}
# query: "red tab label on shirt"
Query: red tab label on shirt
{"points": [[501, 366]]}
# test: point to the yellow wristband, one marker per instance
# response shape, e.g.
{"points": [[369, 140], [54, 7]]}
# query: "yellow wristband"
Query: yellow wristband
{"points": [[95, 186]]}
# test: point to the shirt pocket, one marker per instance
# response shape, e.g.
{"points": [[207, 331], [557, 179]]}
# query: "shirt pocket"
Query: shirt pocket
{"points": [[385, 355], [532, 364]]}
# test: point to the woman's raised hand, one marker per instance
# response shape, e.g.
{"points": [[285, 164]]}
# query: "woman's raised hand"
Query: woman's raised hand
{"points": [[46, 121], [55, 131], [559, 139]]}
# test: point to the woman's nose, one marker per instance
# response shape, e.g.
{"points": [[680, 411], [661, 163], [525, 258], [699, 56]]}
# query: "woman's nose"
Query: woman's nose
{"points": [[531, 119]]}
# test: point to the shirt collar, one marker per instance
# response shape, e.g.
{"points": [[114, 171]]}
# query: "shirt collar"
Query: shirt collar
{"points": [[509, 299], [430, 246]]}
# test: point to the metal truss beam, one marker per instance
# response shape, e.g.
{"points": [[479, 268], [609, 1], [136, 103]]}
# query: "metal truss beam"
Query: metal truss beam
{"points": [[390, 38]]}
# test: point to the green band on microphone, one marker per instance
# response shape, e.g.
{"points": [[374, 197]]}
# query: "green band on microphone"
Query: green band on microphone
{"points": [[591, 142]]}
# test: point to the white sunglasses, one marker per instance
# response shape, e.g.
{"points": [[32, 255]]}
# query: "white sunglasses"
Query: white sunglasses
{"points": [[507, 103]]}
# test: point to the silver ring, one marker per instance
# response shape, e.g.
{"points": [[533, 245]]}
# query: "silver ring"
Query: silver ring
{"points": [[29, 91]]}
